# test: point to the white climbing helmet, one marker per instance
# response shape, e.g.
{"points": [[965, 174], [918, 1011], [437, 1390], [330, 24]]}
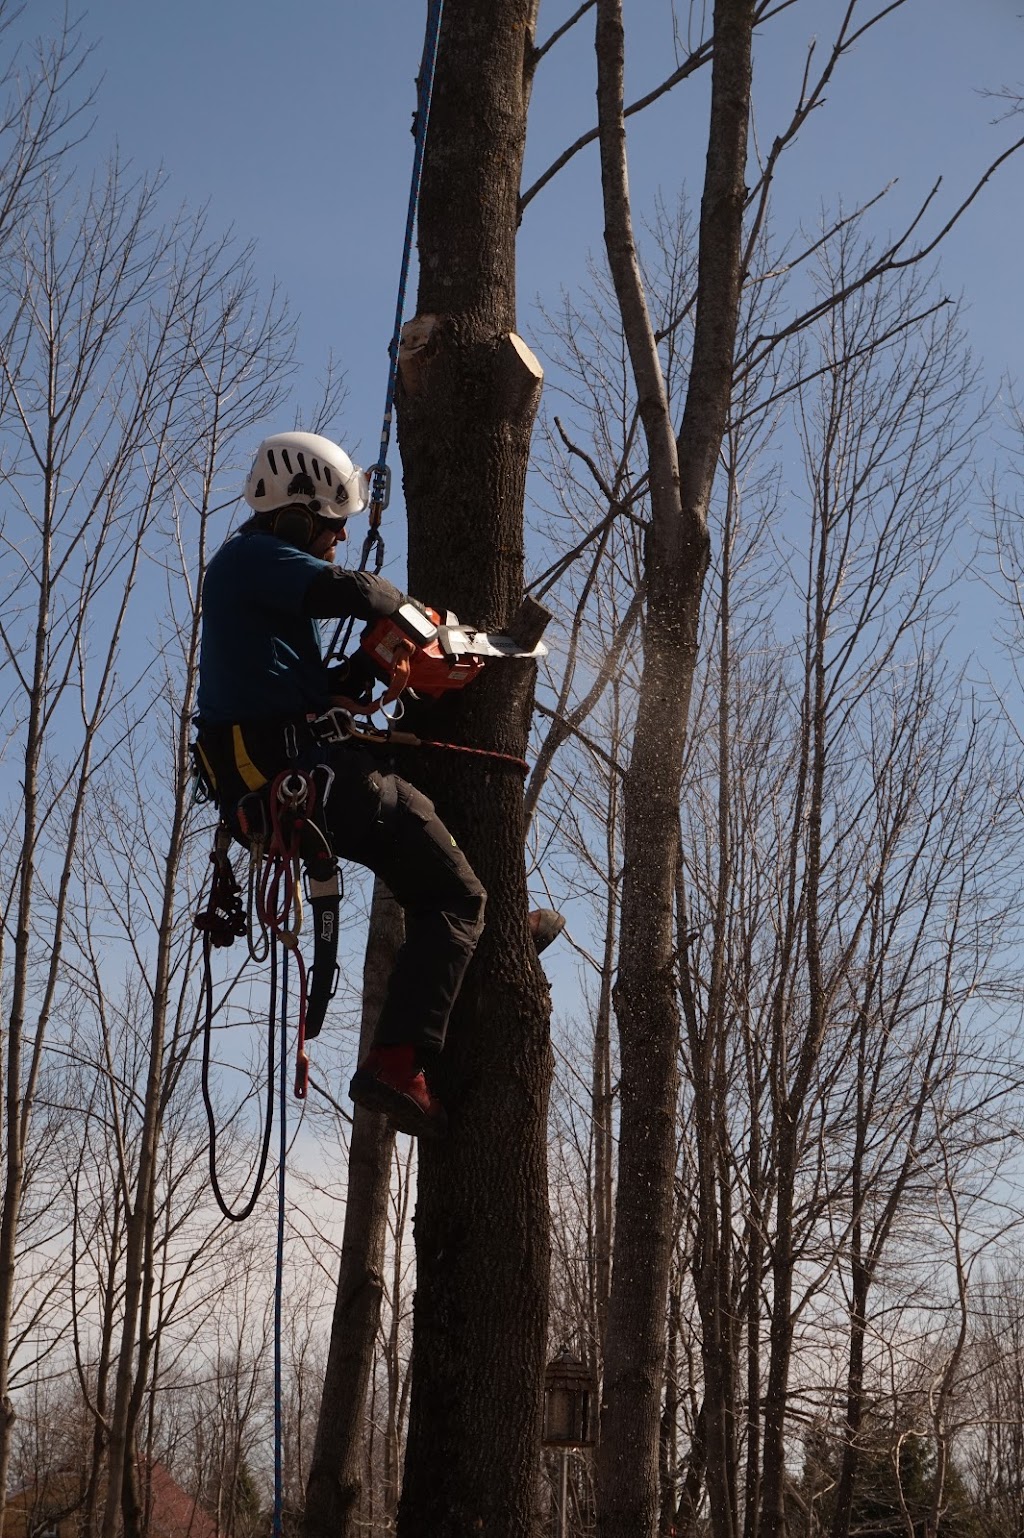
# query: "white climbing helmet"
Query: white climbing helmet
{"points": [[305, 470]]}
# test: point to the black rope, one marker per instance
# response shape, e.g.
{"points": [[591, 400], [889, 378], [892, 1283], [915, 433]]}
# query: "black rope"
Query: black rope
{"points": [[240, 1215]]}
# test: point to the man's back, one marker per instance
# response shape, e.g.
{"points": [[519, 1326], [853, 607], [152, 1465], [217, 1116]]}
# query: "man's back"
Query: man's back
{"points": [[261, 654]]}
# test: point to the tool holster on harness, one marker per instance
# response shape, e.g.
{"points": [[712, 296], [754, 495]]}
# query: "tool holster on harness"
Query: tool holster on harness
{"points": [[252, 774]]}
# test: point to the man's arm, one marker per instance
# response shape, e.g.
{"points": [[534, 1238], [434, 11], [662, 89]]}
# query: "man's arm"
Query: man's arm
{"points": [[337, 593]]}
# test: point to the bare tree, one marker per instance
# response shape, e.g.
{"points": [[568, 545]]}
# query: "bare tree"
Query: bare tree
{"points": [[231, 355], [332, 1495], [73, 476], [680, 480], [481, 1221]]}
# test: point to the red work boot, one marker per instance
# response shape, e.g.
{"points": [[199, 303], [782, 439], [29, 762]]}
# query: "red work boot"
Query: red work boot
{"points": [[388, 1080]]}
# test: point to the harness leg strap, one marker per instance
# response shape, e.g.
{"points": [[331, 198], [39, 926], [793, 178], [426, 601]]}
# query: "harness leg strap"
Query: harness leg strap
{"points": [[325, 906]]}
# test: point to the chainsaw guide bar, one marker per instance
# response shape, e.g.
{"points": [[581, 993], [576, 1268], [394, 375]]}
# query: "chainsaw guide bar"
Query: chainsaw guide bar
{"points": [[460, 641]]}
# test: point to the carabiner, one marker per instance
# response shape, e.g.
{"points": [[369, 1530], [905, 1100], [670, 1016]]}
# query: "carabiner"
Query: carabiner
{"points": [[380, 490]]}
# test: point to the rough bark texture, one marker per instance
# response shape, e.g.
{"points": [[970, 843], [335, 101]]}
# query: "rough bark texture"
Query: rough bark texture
{"points": [[627, 1459], [467, 400], [465, 414], [676, 561], [700, 442], [335, 1478]]}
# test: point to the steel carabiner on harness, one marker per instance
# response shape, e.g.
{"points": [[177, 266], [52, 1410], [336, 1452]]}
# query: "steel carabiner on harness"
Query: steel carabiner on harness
{"points": [[224, 918], [380, 496]]}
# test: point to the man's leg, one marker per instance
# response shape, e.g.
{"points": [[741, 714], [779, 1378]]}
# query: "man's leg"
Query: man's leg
{"points": [[415, 856], [410, 849]]}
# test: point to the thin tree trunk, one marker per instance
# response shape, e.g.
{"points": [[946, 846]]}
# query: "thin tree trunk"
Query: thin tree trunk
{"points": [[13, 1121], [681, 479], [397, 1381], [670, 1416], [687, 1521], [601, 1089], [138, 1227], [335, 1482]]}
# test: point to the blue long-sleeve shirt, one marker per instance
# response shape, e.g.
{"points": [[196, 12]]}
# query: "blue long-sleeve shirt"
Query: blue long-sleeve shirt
{"points": [[261, 655]]}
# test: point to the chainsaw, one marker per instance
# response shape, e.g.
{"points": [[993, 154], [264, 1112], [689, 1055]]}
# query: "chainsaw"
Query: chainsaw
{"points": [[419, 650]]}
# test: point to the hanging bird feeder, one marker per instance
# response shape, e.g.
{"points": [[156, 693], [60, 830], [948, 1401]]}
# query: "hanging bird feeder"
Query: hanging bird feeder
{"points": [[570, 1394]]}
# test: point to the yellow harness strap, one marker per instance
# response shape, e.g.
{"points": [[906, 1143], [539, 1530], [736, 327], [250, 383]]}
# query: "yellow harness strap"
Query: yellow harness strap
{"points": [[207, 766], [251, 776]]}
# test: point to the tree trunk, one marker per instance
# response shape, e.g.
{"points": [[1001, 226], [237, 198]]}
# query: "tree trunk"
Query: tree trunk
{"points": [[122, 1487], [842, 1509], [335, 1478], [467, 396], [681, 479]]}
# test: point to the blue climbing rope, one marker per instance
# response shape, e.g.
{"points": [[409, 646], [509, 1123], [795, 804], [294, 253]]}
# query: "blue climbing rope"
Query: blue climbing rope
{"points": [[380, 475], [380, 486], [278, 1526]]}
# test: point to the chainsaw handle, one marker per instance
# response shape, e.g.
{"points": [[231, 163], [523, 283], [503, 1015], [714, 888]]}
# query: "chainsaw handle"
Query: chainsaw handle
{"points": [[401, 672]]}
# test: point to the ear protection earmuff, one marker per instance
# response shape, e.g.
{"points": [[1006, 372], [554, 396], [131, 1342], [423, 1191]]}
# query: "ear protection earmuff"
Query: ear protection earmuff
{"points": [[296, 525]]}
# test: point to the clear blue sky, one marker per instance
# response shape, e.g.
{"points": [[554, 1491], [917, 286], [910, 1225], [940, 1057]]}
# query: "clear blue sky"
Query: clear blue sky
{"points": [[292, 122]]}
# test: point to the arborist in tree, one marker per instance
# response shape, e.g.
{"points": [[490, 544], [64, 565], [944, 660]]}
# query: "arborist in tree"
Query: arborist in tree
{"points": [[268, 702], [263, 685]]}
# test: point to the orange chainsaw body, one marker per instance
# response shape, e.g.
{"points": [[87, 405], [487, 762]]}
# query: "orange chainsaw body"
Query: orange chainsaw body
{"points": [[431, 672]]}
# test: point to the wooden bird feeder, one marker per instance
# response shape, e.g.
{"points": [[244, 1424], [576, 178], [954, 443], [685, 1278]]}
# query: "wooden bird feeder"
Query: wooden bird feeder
{"points": [[570, 1394]]}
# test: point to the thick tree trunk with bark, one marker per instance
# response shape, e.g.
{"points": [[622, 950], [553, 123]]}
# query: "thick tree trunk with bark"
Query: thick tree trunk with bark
{"points": [[335, 1479], [468, 393], [681, 479]]}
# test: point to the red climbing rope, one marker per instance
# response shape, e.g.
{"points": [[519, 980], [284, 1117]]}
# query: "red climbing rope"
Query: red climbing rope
{"points": [[279, 896]]}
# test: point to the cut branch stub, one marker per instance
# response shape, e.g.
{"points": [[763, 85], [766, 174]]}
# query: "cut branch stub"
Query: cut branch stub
{"points": [[418, 341], [528, 623], [520, 373]]}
